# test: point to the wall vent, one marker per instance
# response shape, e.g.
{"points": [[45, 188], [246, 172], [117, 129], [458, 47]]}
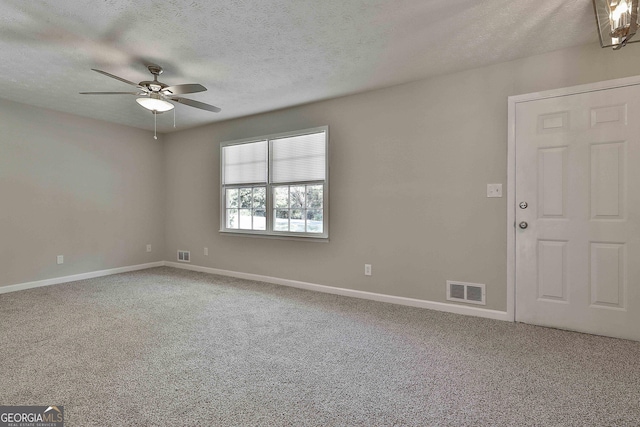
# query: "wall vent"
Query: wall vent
{"points": [[473, 293], [184, 256]]}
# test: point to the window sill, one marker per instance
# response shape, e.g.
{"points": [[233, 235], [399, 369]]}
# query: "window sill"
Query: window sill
{"points": [[275, 236]]}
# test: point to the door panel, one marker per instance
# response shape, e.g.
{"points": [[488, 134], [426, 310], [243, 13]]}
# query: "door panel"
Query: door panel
{"points": [[577, 168]]}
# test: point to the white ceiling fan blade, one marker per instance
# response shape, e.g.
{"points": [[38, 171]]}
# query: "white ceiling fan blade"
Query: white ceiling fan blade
{"points": [[196, 104], [184, 89], [120, 78], [112, 93]]}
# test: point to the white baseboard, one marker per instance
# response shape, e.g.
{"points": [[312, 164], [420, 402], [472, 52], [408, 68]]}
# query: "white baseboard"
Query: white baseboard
{"points": [[412, 302], [82, 276]]}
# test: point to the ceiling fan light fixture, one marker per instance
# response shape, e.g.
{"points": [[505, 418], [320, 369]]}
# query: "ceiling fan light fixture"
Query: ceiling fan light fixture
{"points": [[155, 104], [617, 22]]}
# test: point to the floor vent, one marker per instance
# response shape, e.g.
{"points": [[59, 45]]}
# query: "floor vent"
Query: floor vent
{"points": [[184, 256], [472, 293]]}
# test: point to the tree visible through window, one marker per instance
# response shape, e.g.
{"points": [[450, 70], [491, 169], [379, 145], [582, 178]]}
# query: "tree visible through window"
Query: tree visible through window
{"points": [[246, 208], [298, 208], [276, 185]]}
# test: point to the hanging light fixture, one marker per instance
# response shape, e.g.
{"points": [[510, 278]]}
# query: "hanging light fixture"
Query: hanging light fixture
{"points": [[155, 103], [617, 22]]}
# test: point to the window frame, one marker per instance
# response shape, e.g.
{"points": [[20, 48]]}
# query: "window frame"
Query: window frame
{"points": [[270, 232]]}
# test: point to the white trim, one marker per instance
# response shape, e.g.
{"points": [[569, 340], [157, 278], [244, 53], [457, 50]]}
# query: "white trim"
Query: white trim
{"points": [[75, 277], [411, 302], [275, 236], [574, 90], [511, 212], [511, 167]]}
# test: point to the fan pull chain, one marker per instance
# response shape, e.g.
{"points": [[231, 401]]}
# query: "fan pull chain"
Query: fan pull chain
{"points": [[174, 117], [155, 121]]}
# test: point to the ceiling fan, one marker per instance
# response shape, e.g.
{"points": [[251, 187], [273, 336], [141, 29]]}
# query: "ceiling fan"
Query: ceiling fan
{"points": [[155, 95]]}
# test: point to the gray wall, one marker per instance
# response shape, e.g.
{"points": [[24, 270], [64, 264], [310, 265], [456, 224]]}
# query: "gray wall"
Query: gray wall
{"points": [[88, 190], [409, 168]]}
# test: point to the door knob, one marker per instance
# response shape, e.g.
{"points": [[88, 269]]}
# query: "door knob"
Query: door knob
{"points": [[523, 225]]}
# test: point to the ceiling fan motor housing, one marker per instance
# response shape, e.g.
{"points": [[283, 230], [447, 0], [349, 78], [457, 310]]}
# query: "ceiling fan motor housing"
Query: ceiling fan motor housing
{"points": [[155, 85]]}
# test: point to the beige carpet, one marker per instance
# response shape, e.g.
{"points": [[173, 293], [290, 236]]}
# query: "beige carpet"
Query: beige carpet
{"points": [[167, 347]]}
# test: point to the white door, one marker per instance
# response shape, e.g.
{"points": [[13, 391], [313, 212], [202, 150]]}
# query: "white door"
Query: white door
{"points": [[578, 172]]}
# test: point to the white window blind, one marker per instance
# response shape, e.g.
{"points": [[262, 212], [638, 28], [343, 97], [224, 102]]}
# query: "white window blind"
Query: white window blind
{"points": [[298, 158], [244, 163], [276, 185]]}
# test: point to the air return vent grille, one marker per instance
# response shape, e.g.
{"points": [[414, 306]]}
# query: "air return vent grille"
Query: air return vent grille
{"points": [[472, 293], [184, 256]]}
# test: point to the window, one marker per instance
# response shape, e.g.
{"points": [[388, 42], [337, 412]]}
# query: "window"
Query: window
{"points": [[276, 185]]}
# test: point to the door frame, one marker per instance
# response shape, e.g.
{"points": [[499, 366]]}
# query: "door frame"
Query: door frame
{"points": [[511, 167]]}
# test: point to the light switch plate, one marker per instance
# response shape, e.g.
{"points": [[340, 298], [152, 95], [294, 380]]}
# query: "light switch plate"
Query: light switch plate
{"points": [[494, 190]]}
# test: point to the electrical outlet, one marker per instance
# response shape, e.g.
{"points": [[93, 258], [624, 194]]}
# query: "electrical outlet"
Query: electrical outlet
{"points": [[367, 269], [148, 248], [60, 259], [206, 251], [494, 190]]}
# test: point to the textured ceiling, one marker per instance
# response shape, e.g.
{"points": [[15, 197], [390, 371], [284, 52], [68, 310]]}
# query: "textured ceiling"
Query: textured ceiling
{"points": [[261, 55]]}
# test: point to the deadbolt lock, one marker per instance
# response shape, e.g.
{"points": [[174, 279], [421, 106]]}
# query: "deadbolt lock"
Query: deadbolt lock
{"points": [[523, 205]]}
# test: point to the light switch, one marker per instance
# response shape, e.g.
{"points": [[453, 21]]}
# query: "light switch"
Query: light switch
{"points": [[494, 190]]}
